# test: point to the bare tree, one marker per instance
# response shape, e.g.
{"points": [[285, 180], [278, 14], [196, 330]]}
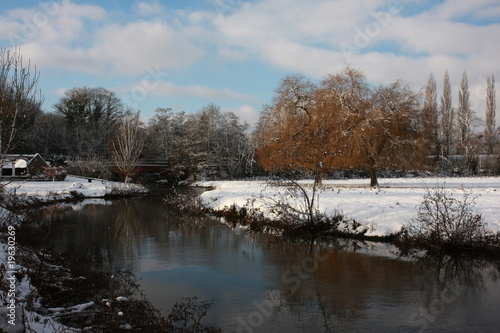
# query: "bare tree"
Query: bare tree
{"points": [[19, 96], [431, 117], [389, 134], [447, 115], [489, 131], [216, 143], [48, 135], [465, 120], [236, 150], [128, 145], [91, 115], [161, 134]]}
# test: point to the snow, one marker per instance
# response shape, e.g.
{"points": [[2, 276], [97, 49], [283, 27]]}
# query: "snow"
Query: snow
{"points": [[57, 190], [33, 321], [7, 215], [72, 309], [48, 191], [382, 211]]}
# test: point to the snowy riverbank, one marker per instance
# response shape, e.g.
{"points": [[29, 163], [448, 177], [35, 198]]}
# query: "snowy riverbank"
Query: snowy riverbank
{"points": [[71, 187], [16, 276], [381, 211]]}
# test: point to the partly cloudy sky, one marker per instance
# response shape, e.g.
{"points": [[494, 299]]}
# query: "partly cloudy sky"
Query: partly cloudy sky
{"points": [[184, 54]]}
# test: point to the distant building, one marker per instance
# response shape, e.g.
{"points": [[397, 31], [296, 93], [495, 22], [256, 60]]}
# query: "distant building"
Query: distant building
{"points": [[24, 165]]}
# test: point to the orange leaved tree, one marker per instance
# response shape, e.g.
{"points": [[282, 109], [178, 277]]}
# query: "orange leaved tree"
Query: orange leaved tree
{"points": [[340, 123], [389, 133], [303, 130]]}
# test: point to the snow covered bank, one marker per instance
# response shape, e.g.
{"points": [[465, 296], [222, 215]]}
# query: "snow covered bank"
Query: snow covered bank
{"points": [[382, 211], [20, 294], [72, 186]]}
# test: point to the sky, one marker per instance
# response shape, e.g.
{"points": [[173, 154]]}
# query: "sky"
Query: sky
{"points": [[186, 54]]}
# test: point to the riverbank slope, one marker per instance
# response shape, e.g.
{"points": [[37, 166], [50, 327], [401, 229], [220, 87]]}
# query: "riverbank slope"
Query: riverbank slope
{"points": [[21, 300], [377, 212]]}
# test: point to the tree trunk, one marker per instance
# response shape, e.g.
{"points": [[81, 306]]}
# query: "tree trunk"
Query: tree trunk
{"points": [[318, 179], [373, 177]]}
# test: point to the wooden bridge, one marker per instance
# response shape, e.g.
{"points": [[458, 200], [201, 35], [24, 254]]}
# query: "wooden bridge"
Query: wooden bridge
{"points": [[142, 167]]}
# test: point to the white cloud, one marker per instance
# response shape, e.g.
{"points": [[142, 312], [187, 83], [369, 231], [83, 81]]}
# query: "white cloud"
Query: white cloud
{"points": [[452, 9], [60, 92], [492, 11], [51, 23], [246, 113], [435, 37], [312, 61], [307, 37], [148, 9], [169, 89], [61, 57], [75, 37], [289, 35], [129, 49]]}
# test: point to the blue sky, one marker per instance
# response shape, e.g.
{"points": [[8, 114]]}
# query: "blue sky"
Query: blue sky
{"points": [[184, 54]]}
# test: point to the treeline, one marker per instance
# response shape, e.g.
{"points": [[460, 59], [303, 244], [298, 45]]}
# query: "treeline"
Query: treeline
{"points": [[313, 128], [90, 130], [344, 123]]}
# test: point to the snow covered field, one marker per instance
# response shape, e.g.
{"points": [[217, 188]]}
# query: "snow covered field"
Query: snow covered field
{"points": [[57, 190], [382, 211]]}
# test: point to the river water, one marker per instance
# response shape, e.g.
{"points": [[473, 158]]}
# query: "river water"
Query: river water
{"points": [[261, 284]]}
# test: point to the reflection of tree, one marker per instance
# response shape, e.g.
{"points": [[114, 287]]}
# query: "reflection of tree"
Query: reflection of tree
{"points": [[330, 288], [84, 235], [125, 227], [126, 224], [450, 290], [464, 273]]}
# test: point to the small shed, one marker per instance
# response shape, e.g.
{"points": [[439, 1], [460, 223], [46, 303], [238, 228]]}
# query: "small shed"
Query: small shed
{"points": [[22, 165]]}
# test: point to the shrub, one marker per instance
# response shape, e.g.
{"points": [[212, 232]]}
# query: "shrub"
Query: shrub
{"points": [[55, 173], [189, 203], [444, 220], [93, 166]]}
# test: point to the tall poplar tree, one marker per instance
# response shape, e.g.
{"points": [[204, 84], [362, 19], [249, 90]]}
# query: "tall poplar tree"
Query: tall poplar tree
{"points": [[465, 119], [489, 131], [431, 118], [447, 115]]}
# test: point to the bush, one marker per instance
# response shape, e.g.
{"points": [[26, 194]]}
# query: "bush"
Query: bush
{"points": [[444, 220], [189, 203], [90, 166], [55, 173]]}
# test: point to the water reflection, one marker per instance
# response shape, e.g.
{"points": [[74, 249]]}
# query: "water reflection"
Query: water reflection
{"points": [[261, 284], [355, 292]]}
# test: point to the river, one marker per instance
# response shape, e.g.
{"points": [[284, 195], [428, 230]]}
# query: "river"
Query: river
{"points": [[260, 284]]}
